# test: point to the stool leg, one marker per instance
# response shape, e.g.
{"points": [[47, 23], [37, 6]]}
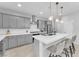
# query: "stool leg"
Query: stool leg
{"points": [[66, 52], [59, 56], [70, 51], [73, 47], [53, 56], [50, 55]]}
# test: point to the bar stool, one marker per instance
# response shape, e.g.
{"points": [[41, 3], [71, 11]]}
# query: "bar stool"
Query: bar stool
{"points": [[73, 46], [52, 49], [69, 45], [56, 50]]}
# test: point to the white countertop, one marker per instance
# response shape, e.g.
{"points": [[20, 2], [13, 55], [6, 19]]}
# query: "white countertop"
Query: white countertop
{"points": [[50, 39], [2, 37], [3, 33]]}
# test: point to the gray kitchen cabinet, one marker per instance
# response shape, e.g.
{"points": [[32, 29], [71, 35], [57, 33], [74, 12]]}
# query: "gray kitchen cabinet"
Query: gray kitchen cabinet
{"points": [[5, 21], [0, 20], [20, 39], [12, 41], [28, 39], [6, 42], [20, 22], [24, 39], [12, 20], [17, 40], [9, 21]]}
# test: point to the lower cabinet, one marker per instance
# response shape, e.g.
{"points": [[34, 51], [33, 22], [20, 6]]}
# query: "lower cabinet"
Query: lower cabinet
{"points": [[24, 39], [28, 39], [17, 40], [20, 40], [12, 41], [6, 43]]}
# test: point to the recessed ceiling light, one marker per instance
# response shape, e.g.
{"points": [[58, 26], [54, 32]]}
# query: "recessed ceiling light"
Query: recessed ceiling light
{"points": [[41, 12], [19, 5]]}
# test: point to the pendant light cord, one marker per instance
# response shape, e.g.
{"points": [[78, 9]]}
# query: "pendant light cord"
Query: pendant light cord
{"points": [[50, 8], [57, 8], [61, 10]]}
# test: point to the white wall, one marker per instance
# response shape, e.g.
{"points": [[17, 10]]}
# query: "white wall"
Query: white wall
{"points": [[70, 25], [66, 27], [75, 17]]}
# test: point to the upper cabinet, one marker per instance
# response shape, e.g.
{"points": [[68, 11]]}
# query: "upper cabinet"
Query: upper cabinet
{"points": [[1, 21], [9, 21], [20, 22], [27, 22], [6, 23], [16, 22], [12, 21]]}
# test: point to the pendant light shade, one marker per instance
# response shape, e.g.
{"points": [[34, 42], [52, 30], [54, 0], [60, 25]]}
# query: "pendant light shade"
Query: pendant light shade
{"points": [[57, 20], [51, 18], [61, 15]]}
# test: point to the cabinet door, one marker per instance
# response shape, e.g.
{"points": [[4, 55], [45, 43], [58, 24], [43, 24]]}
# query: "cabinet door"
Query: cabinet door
{"points": [[12, 21], [9, 21], [5, 21], [6, 43], [20, 22], [12, 41], [28, 38], [20, 39], [0, 20]]}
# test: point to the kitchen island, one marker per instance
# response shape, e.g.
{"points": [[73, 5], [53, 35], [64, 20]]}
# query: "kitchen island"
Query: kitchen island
{"points": [[41, 43]]}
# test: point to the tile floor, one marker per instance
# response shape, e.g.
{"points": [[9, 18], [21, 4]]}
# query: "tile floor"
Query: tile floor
{"points": [[27, 51]]}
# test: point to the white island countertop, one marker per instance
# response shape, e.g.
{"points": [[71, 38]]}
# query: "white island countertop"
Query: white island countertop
{"points": [[50, 39]]}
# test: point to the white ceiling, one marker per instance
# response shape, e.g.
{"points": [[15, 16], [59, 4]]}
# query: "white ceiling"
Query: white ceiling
{"points": [[35, 7]]}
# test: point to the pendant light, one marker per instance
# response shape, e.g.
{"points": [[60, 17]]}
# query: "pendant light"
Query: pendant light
{"points": [[57, 16], [50, 17], [61, 15]]}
